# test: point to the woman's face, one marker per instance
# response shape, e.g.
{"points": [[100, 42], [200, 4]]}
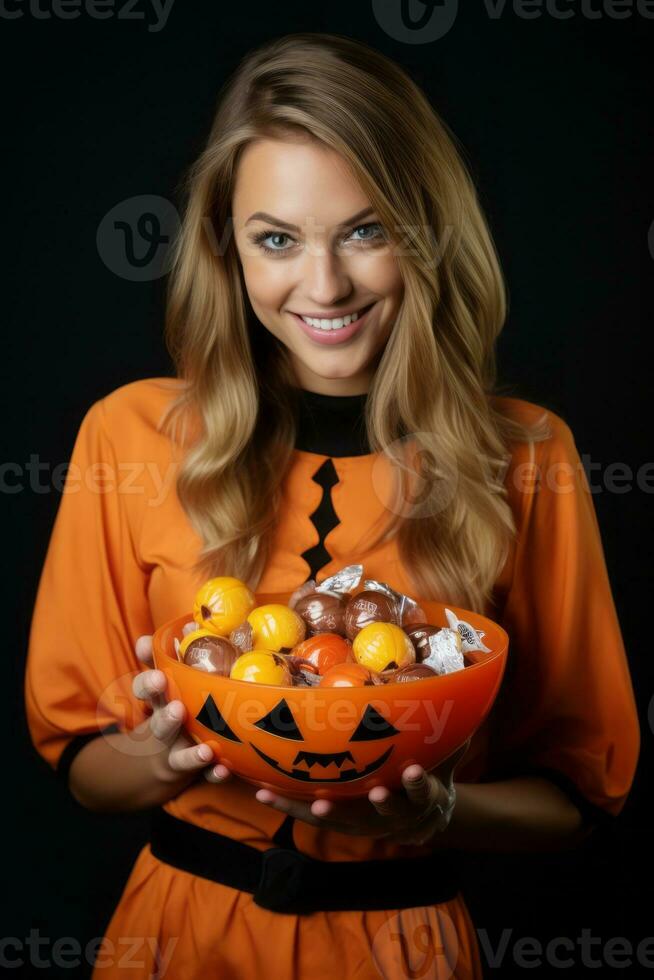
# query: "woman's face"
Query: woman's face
{"points": [[309, 243]]}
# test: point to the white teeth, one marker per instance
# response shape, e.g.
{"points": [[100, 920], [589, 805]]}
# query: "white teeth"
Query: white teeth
{"points": [[337, 324]]}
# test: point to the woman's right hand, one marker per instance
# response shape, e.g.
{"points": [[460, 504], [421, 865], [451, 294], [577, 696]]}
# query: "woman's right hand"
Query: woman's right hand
{"points": [[179, 755]]}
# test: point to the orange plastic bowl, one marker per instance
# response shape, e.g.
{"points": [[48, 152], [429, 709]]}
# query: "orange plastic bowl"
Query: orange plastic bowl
{"points": [[332, 743]]}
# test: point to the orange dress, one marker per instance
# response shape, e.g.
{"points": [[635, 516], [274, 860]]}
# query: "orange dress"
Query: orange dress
{"points": [[118, 567]]}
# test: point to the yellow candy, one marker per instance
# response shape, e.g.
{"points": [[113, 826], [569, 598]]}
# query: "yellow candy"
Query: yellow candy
{"points": [[196, 634], [275, 626], [262, 667], [379, 645], [222, 604]]}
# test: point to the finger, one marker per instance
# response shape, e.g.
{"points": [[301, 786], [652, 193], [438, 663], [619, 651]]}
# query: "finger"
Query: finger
{"points": [[166, 722], [150, 685], [186, 760], [295, 808], [421, 788], [322, 808], [217, 774], [387, 804], [143, 649]]}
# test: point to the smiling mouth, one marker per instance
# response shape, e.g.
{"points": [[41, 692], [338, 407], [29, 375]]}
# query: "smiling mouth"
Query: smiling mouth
{"points": [[335, 316], [347, 775]]}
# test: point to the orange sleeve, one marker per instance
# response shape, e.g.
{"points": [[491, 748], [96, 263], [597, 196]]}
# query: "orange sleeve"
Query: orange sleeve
{"points": [[567, 709], [91, 605]]}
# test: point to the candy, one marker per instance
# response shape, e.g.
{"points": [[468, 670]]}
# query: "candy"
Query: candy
{"points": [[471, 638], [325, 636], [369, 607], [445, 653], [419, 634], [349, 675], [411, 672], [262, 667], [243, 637], [323, 612], [379, 646], [275, 627], [346, 580], [207, 651], [303, 673], [222, 603], [408, 610], [324, 650]]}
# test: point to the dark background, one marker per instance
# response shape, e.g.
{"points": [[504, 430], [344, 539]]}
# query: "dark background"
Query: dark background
{"points": [[555, 116]]}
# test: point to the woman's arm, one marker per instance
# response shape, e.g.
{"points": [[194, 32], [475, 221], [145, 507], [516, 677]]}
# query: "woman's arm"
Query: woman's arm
{"points": [[108, 776], [148, 765], [526, 813]]}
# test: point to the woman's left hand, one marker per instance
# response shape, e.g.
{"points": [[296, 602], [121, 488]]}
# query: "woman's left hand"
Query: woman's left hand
{"points": [[407, 817]]}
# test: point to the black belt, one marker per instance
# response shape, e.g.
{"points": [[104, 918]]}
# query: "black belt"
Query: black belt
{"points": [[284, 879]]}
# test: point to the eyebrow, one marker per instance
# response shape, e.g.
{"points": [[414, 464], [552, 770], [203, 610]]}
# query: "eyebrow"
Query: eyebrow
{"points": [[263, 216]]}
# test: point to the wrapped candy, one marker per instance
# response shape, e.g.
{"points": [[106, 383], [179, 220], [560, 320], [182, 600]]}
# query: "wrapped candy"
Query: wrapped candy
{"points": [[408, 610], [322, 607], [369, 607], [445, 653], [211, 653], [470, 637]]}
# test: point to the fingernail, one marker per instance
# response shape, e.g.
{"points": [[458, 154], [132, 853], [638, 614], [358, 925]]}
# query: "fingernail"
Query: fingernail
{"points": [[204, 752], [264, 796], [175, 711], [380, 797], [413, 775], [219, 772]]}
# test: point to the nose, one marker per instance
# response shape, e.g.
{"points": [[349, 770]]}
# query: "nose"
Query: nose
{"points": [[326, 280]]}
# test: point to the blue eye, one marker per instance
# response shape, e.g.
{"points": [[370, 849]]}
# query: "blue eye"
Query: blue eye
{"points": [[262, 236], [374, 224]]}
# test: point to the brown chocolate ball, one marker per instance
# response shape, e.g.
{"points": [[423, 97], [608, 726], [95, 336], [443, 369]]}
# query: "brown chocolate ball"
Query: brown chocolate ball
{"points": [[369, 607], [242, 637], [322, 613], [419, 634], [411, 672], [213, 654]]}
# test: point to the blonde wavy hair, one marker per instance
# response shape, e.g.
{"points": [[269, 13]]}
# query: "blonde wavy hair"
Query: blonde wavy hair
{"points": [[436, 378]]}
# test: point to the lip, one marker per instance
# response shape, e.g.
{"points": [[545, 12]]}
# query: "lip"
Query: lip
{"points": [[331, 337]]}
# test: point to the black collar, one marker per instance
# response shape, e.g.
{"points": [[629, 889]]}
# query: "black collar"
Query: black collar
{"points": [[332, 425]]}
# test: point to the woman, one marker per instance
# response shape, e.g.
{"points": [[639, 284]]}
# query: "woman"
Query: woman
{"points": [[328, 190]]}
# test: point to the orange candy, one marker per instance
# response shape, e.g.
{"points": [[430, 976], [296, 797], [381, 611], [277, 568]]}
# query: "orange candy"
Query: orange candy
{"points": [[347, 675], [324, 651]]}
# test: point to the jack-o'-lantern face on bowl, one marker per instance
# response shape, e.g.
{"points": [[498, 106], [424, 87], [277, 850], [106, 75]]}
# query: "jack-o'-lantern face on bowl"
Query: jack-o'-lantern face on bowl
{"points": [[311, 742]]}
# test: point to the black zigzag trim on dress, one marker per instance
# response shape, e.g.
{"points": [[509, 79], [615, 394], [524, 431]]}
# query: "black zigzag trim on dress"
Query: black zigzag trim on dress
{"points": [[324, 518]]}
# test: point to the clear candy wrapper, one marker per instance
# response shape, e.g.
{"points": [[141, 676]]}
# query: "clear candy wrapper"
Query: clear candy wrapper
{"points": [[408, 609], [345, 580], [470, 637], [445, 651]]}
